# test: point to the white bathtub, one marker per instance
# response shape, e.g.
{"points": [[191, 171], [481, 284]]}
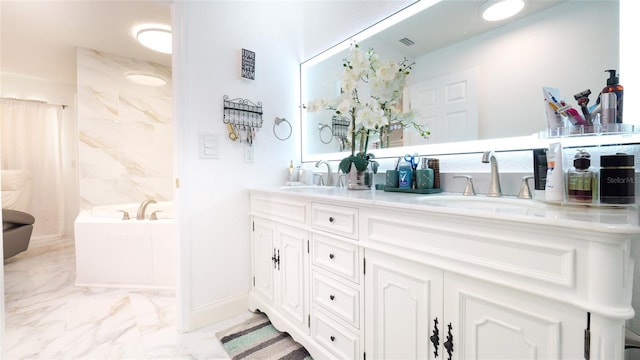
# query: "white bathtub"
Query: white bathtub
{"points": [[111, 252]]}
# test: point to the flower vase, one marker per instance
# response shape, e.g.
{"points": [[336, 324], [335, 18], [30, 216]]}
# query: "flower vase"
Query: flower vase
{"points": [[359, 179]]}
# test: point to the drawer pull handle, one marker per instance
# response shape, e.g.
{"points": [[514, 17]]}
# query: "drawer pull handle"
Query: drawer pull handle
{"points": [[331, 256], [435, 338], [331, 219], [333, 338], [448, 345], [331, 297]]}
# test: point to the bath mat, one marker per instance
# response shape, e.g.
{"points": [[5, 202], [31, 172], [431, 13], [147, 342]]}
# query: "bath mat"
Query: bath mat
{"points": [[256, 338]]}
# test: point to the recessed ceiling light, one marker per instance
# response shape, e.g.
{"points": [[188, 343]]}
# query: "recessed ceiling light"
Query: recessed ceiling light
{"points": [[146, 79], [495, 10], [155, 37]]}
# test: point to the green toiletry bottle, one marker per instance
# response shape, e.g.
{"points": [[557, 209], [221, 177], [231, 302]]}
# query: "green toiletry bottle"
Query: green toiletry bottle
{"points": [[613, 86]]}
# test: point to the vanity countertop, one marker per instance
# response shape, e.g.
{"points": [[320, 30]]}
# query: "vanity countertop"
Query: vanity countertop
{"points": [[622, 219]]}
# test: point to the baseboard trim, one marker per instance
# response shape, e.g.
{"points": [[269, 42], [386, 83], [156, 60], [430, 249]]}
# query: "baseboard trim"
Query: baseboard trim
{"points": [[212, 313]]}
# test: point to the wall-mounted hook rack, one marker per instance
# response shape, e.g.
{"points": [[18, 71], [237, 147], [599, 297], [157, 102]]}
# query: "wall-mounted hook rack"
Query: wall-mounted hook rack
{"points": [[340, 130], [243, 118]]}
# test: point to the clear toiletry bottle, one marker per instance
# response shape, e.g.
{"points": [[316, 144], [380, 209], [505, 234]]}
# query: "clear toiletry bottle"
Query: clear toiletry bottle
{"points": [[581, 179]]}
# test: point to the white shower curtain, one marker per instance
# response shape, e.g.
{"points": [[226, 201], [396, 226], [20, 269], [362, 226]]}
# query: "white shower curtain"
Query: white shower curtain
{"points": [[30, 140]]}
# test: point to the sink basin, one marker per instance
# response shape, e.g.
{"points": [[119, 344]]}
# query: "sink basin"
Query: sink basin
{"points": [[510, 205]]}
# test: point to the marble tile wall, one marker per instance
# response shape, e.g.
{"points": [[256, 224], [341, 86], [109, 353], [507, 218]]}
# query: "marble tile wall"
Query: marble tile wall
{"points": [[125, 131]]}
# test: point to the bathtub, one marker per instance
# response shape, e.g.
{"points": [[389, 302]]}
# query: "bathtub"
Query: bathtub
{"points": [[112, 252]]}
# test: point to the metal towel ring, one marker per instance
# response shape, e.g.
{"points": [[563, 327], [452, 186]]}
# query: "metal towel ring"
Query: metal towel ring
{"points": [[322, 127], [277, 123]]}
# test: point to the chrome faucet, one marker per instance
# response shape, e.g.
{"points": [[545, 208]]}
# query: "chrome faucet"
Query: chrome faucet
{"points": [[494, 184], [142, 208], [329, 181]]}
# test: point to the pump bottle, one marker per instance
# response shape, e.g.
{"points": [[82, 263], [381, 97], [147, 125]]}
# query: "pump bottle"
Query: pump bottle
{"points": [[613, 86]]}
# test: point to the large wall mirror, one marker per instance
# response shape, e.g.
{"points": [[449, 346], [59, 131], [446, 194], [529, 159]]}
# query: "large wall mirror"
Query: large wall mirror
{"points": [[563, 44]]}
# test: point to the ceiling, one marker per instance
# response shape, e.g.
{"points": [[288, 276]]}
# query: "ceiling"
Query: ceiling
{"points": [[449, 22], [38, 39]]}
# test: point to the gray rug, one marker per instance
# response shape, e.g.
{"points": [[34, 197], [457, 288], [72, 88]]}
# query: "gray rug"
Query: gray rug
{"points": [[256, 338]]}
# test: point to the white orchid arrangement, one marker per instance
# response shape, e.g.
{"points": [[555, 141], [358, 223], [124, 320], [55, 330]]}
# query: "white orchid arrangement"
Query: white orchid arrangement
{"points": [[371, 92]]}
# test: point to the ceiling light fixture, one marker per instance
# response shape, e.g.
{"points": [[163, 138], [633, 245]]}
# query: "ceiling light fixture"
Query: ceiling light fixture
{"points": [[155, 37], [146, 79], [495, 10]]}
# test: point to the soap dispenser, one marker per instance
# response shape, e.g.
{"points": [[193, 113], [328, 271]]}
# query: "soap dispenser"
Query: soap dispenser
{"points": [[613, 86]]}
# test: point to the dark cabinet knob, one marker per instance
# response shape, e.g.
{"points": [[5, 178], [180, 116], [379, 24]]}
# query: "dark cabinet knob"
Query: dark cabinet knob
{"points": [[331, 219], [331, 256], [333, 338], [331, 297]]}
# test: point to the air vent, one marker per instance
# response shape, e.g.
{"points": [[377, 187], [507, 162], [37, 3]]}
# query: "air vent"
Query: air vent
{"points": [[407, 41]]}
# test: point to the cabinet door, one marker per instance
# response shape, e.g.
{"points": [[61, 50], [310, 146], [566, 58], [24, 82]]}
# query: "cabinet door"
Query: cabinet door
{"points": [[492, 322], [293, 275], [264, 249], [402, 300]]}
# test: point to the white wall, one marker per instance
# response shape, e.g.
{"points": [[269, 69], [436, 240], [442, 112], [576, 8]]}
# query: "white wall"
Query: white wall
{"points": [[212, 201], [21, 87]]}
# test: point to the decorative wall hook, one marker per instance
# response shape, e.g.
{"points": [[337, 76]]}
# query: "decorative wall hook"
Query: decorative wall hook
{"points": [[243, 118]]}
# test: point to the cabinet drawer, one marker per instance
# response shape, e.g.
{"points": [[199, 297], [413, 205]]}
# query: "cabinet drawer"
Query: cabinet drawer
{"points": [[337, 339], [281, 209], [341, 300], [338, 257], [338, 220]]}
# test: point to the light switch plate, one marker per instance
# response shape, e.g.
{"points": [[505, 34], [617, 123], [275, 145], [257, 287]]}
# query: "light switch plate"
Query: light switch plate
{"points": [[209, 146]]}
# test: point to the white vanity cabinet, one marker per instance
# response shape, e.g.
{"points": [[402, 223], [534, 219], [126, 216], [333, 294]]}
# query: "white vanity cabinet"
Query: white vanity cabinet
{"points": [[496, 322], [415, 311], [280, 258], [402, 299], [385, 276], [336, 296]]}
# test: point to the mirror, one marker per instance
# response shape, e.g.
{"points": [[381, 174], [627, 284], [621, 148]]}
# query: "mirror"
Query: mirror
{"points": [[563, 44]]}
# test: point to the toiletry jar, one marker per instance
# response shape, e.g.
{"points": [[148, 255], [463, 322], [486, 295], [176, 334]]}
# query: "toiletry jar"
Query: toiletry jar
{"points": [[617, 179]]}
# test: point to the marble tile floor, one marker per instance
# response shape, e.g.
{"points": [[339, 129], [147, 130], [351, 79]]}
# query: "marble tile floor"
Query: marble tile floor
{"points": [[48, 317]]}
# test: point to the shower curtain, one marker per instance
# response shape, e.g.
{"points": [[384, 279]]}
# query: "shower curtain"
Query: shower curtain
{"points": [[30, 133]]}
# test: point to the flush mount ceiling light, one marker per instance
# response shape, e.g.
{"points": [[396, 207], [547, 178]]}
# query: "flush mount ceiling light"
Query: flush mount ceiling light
{"points": [[495, 10], [155, 37], [146, 79]]}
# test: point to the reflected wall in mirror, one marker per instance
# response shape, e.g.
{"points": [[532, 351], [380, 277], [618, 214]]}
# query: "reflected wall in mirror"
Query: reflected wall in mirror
{"points": [[499, 71]]}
